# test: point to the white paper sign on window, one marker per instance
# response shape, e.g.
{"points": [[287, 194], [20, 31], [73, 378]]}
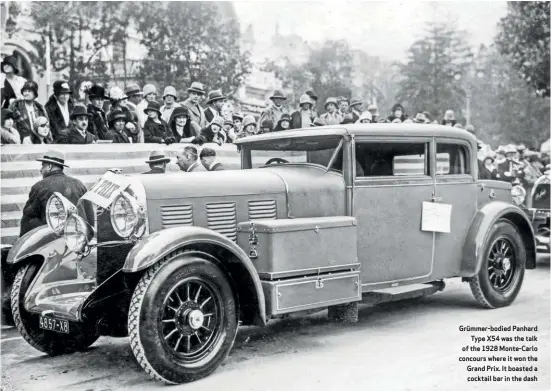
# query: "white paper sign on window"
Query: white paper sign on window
{"points": [[436, 217]]}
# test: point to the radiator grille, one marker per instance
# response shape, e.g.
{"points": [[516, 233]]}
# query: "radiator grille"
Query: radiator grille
{"points": [[262, 209], [176, 215], [221, 217]]}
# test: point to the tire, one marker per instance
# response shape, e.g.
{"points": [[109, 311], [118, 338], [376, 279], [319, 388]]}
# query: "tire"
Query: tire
{"points": [[493, 286], [49, 342], [162, 338], [7, 316]]}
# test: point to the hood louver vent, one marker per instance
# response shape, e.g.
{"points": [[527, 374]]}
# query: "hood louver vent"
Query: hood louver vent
{"points": [[262, 209], [176, 215], [222, 218]]}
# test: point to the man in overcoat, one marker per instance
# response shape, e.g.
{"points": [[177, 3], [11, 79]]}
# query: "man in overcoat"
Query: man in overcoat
{"points": [[54, 180], [196, 113], [215, 103], [275, 110]]}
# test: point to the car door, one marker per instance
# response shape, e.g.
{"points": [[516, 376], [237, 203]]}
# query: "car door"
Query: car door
{"points": [[391, 180], [455, 186]]}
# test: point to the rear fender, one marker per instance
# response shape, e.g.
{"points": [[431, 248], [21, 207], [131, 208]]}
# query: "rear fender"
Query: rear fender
{"points": [[34, 242], [480, 226], [231, 257]]}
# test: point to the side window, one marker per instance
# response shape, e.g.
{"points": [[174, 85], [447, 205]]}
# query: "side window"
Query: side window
{"points": [[452, 159], [391, 159]]}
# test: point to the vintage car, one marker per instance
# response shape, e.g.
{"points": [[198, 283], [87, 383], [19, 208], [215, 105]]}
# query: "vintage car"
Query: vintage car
{"points": [[317, 218]]}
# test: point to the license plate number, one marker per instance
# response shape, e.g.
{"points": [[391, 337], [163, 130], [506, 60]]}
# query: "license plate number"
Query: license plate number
{"points": [[59, 325]]}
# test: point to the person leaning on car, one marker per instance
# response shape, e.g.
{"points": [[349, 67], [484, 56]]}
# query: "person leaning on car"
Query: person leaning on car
{"points": [[54, 180]]}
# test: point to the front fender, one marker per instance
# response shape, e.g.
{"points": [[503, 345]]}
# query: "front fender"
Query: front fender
{"points": [[480, 226], [32, 243], [158, 245]]}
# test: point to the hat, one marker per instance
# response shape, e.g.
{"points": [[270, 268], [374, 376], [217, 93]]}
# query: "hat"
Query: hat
{"points": [[510, 149], [330, 100], [115, 115], [228, 122], [342, 99], [61, 87], [267, 124], [217, 121], [197, 87], [157, 156], [396, 107], [97, 91], [215, 95], [54, 157], [179, 111], [500, 149], [11, 60], [149, 89], [284, 117], [355, 102], [133, 89], [420, 118], [489, 156], [237, 115], [312, 95], [7, 114], [79, 111], [115, 93], [169, 90], [521, 147], [278, 95], [30, 85], [153, 106], [248, 120], [305, 98], [364, 115]]}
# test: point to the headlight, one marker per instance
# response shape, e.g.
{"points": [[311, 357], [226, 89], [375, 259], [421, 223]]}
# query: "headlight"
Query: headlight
{"points": [[127, 216], [77, 233], [57, 210], [519, 194]]}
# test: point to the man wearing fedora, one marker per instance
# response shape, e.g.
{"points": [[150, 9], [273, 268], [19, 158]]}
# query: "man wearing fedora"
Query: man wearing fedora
{"points": [[97, 123], [208, 160], [356, 109], [59, 108], [54, 180], [187, 159], [215, 102], [135, 97], [275, 110], [169, 97], [196, 114], [157, 162], [10, 83], [27, 110], [78, 133]]}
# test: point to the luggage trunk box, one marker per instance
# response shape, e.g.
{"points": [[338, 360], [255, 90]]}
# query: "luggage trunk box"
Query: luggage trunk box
{"points": [[292, 247], [304, 293]]}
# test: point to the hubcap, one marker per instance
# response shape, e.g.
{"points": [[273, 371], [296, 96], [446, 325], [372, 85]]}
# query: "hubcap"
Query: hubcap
{"points": [[501, 264], [191, 319]]}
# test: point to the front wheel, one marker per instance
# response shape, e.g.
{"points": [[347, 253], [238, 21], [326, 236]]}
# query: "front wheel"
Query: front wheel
{"points": [[49, 342], [182, 320], [502, 271]]}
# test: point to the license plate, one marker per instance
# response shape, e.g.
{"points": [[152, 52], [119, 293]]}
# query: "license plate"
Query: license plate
{"points": [[59, 325]]}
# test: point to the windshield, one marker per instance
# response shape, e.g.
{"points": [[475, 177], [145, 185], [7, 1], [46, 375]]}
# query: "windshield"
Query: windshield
{"points": [[293, 151]]}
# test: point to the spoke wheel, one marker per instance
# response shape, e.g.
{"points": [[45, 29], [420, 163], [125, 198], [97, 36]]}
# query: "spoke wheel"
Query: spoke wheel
{"points": [[182, 320], [191, 319], [502, 267]]}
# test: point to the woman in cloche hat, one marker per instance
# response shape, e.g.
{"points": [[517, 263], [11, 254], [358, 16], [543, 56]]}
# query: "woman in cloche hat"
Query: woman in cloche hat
{"points": [[10, 82]]}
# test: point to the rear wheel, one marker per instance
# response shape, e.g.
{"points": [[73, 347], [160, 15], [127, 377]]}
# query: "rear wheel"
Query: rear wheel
{"points": [[502, 271], [49, 342], [182, 320]]}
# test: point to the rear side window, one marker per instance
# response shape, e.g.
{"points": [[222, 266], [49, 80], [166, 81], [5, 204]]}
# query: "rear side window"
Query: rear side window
{"points": [[452, 159], [391, 159]]}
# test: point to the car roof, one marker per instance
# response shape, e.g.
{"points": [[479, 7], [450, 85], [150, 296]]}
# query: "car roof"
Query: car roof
{"points": [[376, 129]]}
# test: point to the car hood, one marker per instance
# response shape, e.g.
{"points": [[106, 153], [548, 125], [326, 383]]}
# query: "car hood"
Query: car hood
{"points": [[212, 183]]}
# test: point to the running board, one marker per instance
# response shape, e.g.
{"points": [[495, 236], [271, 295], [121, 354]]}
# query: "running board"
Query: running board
{"points": [[402, 292]]}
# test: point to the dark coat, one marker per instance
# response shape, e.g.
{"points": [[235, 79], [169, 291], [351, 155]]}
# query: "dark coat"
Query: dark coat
{"points": [[296, 120], [155, 132], [97, 123], [118, 138], [484, 173], [22, 118], [155, 170], [504, 167], [355, 117], [208, 136], [57, 122], [209, 114], [34, 212], [73, 136]]}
